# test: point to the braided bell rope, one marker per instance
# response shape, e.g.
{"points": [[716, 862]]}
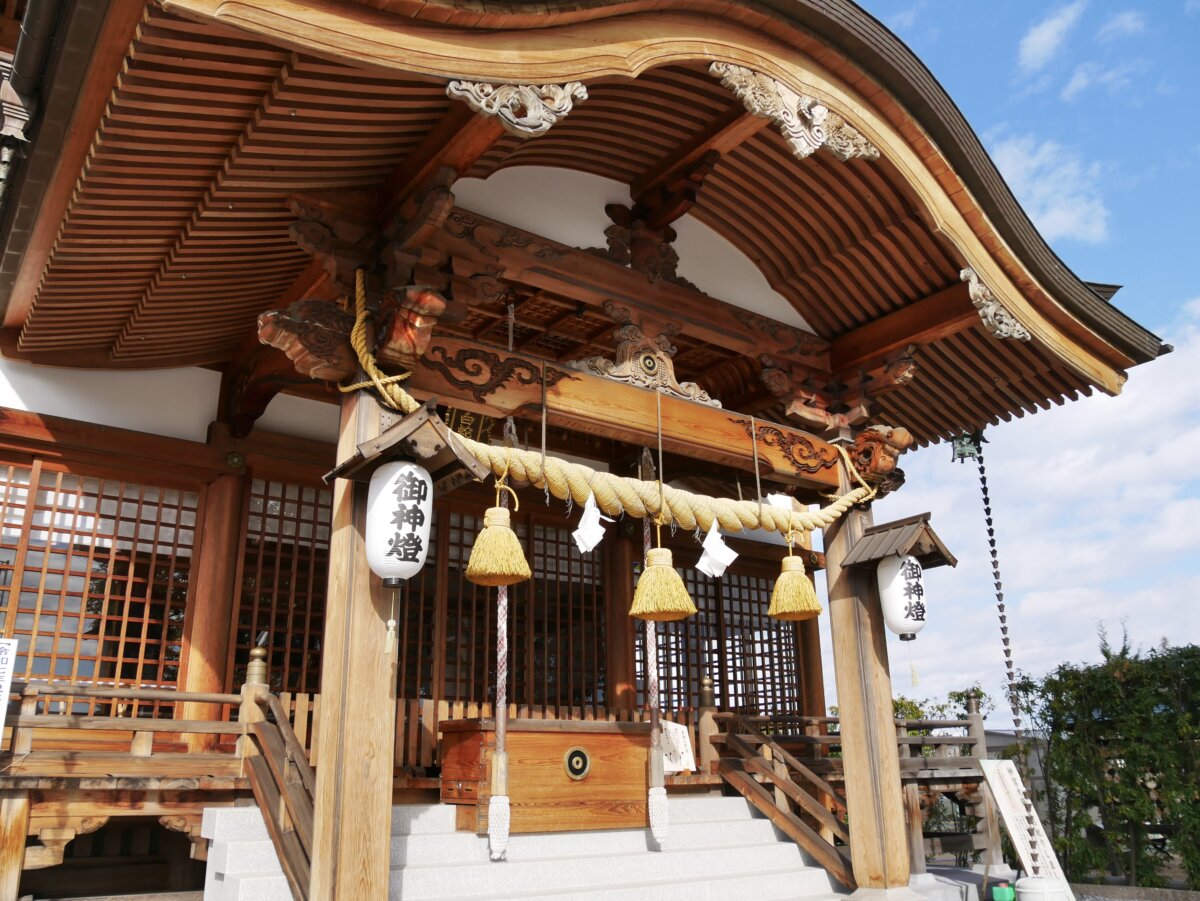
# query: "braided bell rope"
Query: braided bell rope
{"points": [[614, 494]]}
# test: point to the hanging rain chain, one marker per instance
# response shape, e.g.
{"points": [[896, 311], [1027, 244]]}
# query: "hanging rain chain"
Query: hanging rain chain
{"points": [[964, 448]]}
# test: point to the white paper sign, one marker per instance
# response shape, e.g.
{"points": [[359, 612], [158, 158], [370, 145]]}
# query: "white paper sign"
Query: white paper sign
{"points": [[677, 748], [1009, 791], [8, 660]]}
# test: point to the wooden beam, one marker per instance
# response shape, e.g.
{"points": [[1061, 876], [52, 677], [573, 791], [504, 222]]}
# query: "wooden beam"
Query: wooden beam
{"points": [[513, 254], [112, 44], [935, 317], [668, 189], [457, 141], [497, 383]]}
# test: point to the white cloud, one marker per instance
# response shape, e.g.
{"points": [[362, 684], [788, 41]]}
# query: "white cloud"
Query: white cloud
{"points": [[1123, 24], [1042, 41], [905, 19], [1115, 80], [1095, 506], [1059, 190]]}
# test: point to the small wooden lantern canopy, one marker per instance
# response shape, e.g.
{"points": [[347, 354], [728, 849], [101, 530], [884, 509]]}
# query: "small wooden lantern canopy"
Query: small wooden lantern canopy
{"points": [[421, 436], [910, 536]]}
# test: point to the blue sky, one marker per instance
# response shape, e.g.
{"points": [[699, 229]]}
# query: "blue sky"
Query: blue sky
{"points": [[1091, 112]]}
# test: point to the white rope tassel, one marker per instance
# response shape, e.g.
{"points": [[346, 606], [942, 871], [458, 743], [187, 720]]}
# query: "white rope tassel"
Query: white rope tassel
{"points": [[659, 819], [499, 818]]}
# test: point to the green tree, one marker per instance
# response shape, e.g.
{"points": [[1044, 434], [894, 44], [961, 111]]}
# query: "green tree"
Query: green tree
{"points": [[1118, 746]]}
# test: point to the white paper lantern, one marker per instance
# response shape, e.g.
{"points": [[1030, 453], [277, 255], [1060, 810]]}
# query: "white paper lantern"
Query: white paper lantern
{"points": [[399, 510], [902, 594]]}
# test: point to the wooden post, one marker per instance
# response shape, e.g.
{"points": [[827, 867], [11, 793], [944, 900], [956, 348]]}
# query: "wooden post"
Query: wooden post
{"points": [[878, 838], [912, 811], [353, 813], [989, 819], [256, 686], [14, 825], [207, 624], [706, 728], [620, 677]]}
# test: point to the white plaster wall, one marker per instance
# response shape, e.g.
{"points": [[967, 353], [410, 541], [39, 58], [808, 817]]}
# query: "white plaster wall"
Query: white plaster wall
{"points": [[301, 417], [175, 403], [568, 207]]}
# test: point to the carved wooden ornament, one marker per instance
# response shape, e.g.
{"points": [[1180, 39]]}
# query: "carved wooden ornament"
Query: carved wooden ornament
{"points": [[642, 361], [524, 110], [996, 319], [806, 124]]}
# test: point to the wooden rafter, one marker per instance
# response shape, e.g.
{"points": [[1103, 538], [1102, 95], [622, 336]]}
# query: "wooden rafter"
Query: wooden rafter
{"points": [[937, 316], [456, 142], [668, 189]]}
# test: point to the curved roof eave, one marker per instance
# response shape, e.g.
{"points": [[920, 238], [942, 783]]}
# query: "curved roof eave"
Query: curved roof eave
{"points": [[858, 36]]}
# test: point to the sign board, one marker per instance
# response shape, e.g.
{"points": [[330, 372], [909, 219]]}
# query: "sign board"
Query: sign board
{"points": [[677, 748], [1009, 792], [8, 660]]}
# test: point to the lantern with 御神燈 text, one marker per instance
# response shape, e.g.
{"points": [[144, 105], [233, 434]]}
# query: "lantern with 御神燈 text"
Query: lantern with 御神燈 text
{"points": [[399, 510], [902, 594]]}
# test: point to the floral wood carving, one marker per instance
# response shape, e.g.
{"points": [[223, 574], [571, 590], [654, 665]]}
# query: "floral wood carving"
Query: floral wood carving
{"points": [[642, 361], [487, 234], [483, 373], [524, 110], [800, 451], [805, 124], [996, 319]]}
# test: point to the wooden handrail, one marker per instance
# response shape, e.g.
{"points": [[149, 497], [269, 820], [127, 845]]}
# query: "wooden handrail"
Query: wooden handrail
{"points": [[91, 690], [284, 787]]}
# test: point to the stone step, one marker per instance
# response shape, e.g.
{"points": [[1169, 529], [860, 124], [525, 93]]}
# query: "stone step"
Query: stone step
{"points": [[253, 888], [413, 819], [781, 884], [465, 847], [243, 857], [585, 871]]}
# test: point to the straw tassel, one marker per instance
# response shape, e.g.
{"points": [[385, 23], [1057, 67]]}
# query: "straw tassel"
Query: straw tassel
{"points": [[661, 594], [794, 597], [496, 557]]}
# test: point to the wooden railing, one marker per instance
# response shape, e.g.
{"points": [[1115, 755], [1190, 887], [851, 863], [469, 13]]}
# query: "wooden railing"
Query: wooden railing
{"points": [[936, 756], [65, 744], [804, 806], [284, 787]]}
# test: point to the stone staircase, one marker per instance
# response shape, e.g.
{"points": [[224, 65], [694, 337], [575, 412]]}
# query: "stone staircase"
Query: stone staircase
{"points": [[719, 848]]}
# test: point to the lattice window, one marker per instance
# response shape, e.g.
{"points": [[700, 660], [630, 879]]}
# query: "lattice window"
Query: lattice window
{"points": [[94, 576], [556, 626], [751, 658], [283, 575]]}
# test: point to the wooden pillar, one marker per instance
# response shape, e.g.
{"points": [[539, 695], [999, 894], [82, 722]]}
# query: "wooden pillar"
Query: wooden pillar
{"points": [[812, 676], [208, 622], [352, 828], [619, 677], [14, 825], [878, 838], [988, 816], [912, 809]]}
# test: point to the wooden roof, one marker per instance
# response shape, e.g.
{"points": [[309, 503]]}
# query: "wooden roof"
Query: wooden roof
{"points": [[911, 535], [175, 234]]}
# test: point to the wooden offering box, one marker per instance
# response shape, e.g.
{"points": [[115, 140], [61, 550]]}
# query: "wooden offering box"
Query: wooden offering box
{"points": [[603, 788]]}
